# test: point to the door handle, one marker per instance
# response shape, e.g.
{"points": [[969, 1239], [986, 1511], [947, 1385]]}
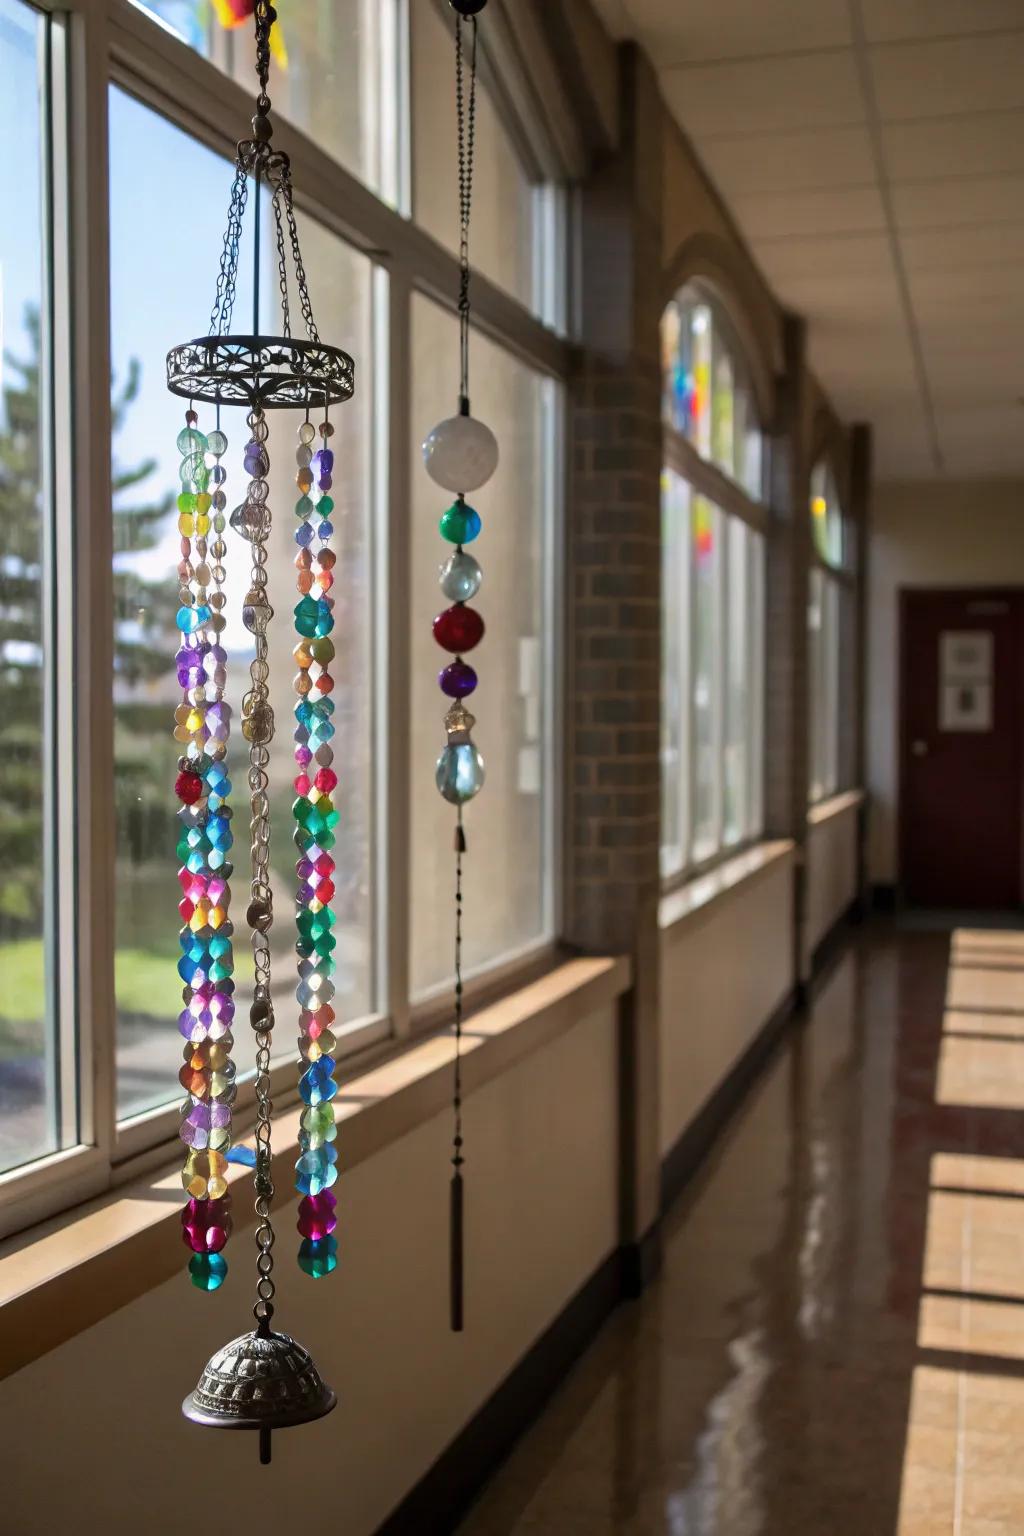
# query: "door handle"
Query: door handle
{"points": [[920, 749]]}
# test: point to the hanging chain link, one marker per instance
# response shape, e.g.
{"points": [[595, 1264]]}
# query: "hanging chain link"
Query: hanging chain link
{"points": [[300, 271], [282, 263], [224, 302], [258, 730], [466, 119], [460, 845], [265, 15]]}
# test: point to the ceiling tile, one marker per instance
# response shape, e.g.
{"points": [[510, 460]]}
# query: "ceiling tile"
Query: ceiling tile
{"points": [[970, 201], [793, 261], [888, 19], [765, 95], [729, 29], [989, 144], [942, 79], [991, 245], [791, 162], [780, 215], [993, 287], [983, 442]]}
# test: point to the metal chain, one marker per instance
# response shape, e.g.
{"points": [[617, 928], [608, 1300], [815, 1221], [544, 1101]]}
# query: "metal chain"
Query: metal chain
{"points": [[224, 302], [300, 271], [466, 120], [282, 263], [265, 17], [460, 846], [258, 730]]}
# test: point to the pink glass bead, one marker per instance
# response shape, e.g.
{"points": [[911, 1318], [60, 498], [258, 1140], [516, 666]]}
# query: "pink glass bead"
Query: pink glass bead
{"points": [[317, 1217], [205, 1224]]}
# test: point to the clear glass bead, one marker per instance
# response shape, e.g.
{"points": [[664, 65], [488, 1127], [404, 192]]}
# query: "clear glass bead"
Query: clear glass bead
{"points": [[460, 773], [460, 577], [461, 454]]}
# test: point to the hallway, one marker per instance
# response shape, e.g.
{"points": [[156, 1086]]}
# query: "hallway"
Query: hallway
{"points": [[835, 1346]]}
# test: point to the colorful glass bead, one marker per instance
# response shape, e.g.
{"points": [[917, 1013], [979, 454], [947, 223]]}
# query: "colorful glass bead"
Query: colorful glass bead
{"points": [[317, 1218], [458, 629], [460, 524], [188, 787], [457, 680], [208, 1270], [318, 1259], [206, 1224]]}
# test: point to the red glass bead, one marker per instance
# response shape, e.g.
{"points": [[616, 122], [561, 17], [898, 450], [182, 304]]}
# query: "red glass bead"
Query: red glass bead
{"points": [[325, 891], [302, 784], [325, 683], [327, 559], [326, 780], [188, 787], [324, 865], [458, 629], [205, 1224], [317, 1217]]}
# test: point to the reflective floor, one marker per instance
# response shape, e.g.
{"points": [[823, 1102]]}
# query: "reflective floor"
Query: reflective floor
{"points": [[836, 1344]]}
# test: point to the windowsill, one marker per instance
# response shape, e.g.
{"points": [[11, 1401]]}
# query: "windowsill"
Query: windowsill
{"points": [[835, 805], [68, 1273], [705, 891]]}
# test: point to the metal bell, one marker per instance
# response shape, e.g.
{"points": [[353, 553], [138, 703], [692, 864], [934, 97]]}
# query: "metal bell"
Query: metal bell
{"points": [[263, 1381]]}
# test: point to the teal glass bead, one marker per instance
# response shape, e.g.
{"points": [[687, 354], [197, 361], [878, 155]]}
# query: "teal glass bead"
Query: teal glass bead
{"points": [[318, 1257], [325, 506], [316, 1171], [460, 773], [208, 1270], [307, 616], [190, 441], [460, 524], [216, 443], [304, 508]]}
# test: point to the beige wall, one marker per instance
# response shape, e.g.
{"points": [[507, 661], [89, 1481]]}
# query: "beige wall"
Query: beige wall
{"points": [[831, 872], [725, 969], [93, 1436], [925, 534]]}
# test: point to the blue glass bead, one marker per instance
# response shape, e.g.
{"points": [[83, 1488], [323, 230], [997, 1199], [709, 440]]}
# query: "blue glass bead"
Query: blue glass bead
{"points": [[186, 620], [304, 535], [191, 442], [318, 1257], [208, 1270], [326, 530], [316, 1171], [317, 1086], [460, 773]]}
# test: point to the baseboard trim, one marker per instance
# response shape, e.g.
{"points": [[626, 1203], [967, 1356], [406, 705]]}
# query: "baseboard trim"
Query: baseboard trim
{"points": [[683, 1160], [834, 938], [442, 1496], [884, 898]]}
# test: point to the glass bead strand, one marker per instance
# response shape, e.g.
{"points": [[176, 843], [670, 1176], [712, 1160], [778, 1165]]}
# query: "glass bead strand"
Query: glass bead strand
{"points": [[315, 819]]}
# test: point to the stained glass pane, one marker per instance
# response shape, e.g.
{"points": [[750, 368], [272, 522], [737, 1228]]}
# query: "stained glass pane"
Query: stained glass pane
{"points": [[675, 672], [707, 692]]}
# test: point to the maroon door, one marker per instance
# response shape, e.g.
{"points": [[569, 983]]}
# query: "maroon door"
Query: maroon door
{"points": [[960, 747]]}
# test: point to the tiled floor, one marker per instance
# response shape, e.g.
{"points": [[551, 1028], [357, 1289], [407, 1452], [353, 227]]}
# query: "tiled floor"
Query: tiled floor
{"points": [[836, 1344]]}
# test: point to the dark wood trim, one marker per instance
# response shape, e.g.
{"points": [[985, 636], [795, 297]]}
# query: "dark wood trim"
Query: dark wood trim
{"points": [[445, 1492], [884, 896]]}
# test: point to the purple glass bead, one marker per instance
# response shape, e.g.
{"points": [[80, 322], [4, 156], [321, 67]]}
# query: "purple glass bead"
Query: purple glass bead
{"points": [[457, 680], [323, 461], [325, 482], [317, 1217], [303, 755]]}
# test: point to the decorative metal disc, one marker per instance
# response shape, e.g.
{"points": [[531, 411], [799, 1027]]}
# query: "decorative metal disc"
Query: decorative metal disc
{"points": [[274, 372], [259, 1382]]}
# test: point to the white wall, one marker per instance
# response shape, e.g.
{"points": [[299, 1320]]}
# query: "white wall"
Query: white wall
{"points": [[725, 969], [925, 534], [93, 1435], [831, 871]]}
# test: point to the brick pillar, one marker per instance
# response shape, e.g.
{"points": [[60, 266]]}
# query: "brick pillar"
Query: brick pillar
{"points": [[614, 563], [787, 683]]}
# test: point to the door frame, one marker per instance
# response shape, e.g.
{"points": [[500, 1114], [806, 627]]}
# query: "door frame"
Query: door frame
{"points": [[904, 594]]}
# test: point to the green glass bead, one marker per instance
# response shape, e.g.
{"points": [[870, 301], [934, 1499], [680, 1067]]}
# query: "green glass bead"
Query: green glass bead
{"points": [[190, 441], [208, 1270], [322, 651], [325, 506], [460, 524], [304, 508], [187, 503], [318, 1124], [307, 618]]}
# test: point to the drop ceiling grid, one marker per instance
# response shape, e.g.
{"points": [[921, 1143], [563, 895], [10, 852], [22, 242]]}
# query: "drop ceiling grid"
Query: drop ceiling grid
{"points": [[880, 172]]}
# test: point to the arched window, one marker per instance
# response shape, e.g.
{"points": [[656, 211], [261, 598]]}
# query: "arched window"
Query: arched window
{"points": [[829, 616], [713, 577]]}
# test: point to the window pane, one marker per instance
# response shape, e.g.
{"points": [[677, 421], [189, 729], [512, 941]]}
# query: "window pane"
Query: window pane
{"points": [[737, 764], [698, 427], [675, 681], [327, 72], [33, 1120], [507, 870], [722, 422], [758, 576], [707, 700], [149, 255], [506, 215]]}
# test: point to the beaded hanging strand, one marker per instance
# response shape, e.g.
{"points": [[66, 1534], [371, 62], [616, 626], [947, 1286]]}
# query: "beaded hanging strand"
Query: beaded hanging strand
{"points": [[315, 819], [461, 455], [202, 724]]}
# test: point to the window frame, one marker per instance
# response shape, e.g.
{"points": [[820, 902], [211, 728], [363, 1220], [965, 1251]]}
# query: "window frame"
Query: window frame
{"points": [[706, 479], [108, 42], [838, 585]]}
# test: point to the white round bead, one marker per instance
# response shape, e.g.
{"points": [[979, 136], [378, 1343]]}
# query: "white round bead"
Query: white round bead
{"points": [[461, 454]]}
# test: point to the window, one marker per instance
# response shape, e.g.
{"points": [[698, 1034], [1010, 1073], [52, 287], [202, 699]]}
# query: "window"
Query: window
{"points": [[828, 609], [713, 573], [146, 423], [89, 996], [514, 212], [507, 879], [38, 1070], [336, 72]]}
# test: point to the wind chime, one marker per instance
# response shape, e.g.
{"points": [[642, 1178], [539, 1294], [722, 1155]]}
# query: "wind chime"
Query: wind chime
{"points": [[262, 1380], [461, 455]]}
